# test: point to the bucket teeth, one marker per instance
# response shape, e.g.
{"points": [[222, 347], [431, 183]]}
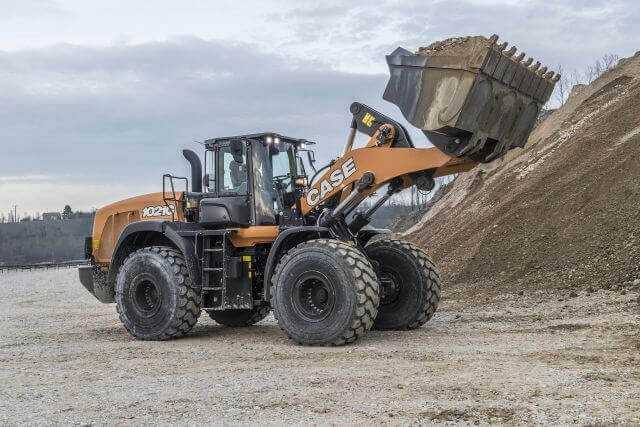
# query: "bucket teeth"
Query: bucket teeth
{"points": [[511, 51], [556, 78], [519, 58]]}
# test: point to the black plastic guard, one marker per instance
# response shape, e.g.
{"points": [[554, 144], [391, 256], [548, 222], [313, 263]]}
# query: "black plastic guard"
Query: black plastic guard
{"points": [[97, 286]]}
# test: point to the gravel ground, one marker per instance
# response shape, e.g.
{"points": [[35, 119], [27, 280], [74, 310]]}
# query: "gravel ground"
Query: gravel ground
{"points": [[531, 358]]}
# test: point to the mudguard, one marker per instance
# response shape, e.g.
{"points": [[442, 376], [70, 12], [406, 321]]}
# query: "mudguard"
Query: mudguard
{"points": [[285, 241], [293, 236], [133, 236], [168, 229]]}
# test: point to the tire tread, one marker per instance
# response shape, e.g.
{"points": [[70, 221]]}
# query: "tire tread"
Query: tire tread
{"points": [[430, 279], [256, 315], [188, 301], [365, 285]]}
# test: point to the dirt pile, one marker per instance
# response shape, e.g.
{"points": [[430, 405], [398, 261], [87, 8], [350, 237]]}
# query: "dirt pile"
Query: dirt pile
{"points": [[455, 46], [563, 212]]}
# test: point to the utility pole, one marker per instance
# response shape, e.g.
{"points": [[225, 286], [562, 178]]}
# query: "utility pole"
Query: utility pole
{"points": [[15, 213]]}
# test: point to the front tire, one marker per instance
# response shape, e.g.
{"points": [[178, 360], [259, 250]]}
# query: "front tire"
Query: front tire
{"points": [[324, 293], [409, 283], [155, 297], [240, 318]]}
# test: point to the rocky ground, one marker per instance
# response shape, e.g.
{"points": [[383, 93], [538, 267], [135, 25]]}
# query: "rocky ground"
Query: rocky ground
{"points": [[543, 356]]}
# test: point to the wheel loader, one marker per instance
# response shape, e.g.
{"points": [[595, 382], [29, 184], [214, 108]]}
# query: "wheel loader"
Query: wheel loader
{"points": [[257, 232]]}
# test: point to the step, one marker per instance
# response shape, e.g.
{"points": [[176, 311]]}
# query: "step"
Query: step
{"points": [[212, 288], [214, 269], [213, 250]]}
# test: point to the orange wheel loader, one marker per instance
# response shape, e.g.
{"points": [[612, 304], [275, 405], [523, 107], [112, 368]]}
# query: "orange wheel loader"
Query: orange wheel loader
{"points": [[255, 232]]}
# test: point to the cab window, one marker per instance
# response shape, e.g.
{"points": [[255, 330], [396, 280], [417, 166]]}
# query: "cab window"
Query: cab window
{"points": [[210, 183], [282, 169], [232, 173]]}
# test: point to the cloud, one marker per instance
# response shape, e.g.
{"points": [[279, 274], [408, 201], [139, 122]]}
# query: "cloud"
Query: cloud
{"points": [[24, 178], [573, 33], [121, 113], [19, 9], [33, 196]]}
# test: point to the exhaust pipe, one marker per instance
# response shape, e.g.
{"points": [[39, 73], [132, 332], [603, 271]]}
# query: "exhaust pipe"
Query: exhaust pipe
{"points": [[196, 170]]}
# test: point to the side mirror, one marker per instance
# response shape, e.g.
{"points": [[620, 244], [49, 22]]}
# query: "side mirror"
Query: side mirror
{"points": [[237, 148], [312, 156], [312, 160]]}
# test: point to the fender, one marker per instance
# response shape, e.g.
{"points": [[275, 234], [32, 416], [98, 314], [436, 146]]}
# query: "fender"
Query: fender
{"points": [[285, 241], [165, 228], [367, 233]]}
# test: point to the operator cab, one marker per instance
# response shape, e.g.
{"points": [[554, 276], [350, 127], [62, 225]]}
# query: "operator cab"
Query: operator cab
{"points": [[253, 180]]}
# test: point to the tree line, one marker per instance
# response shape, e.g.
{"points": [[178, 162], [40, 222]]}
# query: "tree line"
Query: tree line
{"points": [[31, 240], [67, 213]]}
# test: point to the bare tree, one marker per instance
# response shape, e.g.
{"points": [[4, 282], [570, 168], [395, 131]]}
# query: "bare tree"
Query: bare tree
{"points": [[576, 77], [601, 66], [561, 87], [610, 60]]}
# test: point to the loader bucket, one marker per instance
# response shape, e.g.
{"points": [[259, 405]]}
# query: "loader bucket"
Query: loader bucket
{"points": [[472, 97]]}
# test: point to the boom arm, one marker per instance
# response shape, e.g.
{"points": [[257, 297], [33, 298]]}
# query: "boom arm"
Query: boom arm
{"points": [[385, 164], [360, 172]]}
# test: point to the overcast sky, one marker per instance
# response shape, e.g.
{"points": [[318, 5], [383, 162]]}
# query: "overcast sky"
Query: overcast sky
{"points": [[98, 97]]}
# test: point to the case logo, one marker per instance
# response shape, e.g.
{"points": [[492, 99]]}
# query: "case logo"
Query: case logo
{"points": [[335, 179], [156, 211]]}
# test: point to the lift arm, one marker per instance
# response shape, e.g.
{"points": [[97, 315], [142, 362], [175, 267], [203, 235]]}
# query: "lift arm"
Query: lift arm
{"points": [[360, 172]]}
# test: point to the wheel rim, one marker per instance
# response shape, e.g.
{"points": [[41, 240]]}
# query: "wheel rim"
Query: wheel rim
{"points": [[313, 297], [146, 295], [390, 287]]}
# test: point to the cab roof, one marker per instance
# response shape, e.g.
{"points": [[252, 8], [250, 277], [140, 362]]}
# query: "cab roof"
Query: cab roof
{"points": [[265, 137]]}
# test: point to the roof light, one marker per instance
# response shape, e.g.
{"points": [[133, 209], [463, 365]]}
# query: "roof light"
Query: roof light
{"points": [[268, 139], [276, 140], [302, 146]]}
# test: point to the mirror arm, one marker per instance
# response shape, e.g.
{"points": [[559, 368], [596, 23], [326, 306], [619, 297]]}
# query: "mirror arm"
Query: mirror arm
{"points": [[312, 162]]}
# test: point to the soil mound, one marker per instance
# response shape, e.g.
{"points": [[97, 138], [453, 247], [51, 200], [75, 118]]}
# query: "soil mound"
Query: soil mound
{"points": [[455, 46], [563, 212]]}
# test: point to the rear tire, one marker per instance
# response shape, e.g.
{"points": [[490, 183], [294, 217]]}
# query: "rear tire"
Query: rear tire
{"points": [[409, 283], [324, 293], [240, 318], [155, 297]]}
